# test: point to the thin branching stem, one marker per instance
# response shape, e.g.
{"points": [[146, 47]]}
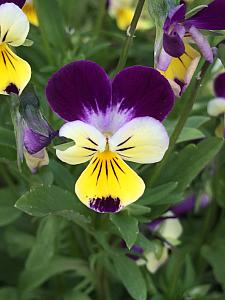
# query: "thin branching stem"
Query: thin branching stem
{"points": [[130, 35]]}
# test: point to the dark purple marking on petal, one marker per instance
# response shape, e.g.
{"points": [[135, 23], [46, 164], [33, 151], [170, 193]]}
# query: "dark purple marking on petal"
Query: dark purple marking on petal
{"points": [[219, 86], [78, 89], [144, 91], [35, 142], [173, 44], [182, 85], [176, 15], [211, 17], [12, 89], [105, 204], [185, 206], [19, 3]]}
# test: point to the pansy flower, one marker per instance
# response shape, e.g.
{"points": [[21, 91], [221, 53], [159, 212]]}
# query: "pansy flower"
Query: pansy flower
{"points": [[15, 72], [109, 122], [178, 60], [123, 10]]}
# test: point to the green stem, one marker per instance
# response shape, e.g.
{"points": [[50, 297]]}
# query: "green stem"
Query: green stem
{"points": [[100, 17], [187, 108], [130, 36]]}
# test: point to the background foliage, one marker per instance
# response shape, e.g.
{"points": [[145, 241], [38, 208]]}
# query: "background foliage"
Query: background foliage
{"points": [[51, 246]]}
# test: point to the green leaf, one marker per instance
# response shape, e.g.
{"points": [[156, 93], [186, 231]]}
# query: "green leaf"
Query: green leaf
{"points": [[64, 146], [131, 277], [52, 25], [75, 295], [187, 164], [138, 210], [214, 254], [28, 43], [221, 53], [62, 176], [146, 244], [127, 226], [31, 279], [18, 242], [159, 9], [187, 134], [158, 194], [195, 10], [196, 121], [42, 201], [8, 293], [44, 247], [190, 134], [7, 137], [8, 213]]}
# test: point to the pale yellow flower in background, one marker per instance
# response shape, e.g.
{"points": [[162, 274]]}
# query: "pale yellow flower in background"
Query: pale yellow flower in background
{"points": [[31, 13], [123, 10]]}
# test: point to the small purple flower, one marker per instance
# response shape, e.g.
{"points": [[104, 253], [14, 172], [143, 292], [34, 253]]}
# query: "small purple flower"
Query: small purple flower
{"points": [[110, 121], [178, 60], [35, 134]]}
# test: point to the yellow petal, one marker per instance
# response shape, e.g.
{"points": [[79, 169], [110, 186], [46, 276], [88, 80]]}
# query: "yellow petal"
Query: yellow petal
{"points": [[182, 68], [108, 184], [31, 13], [15, 72]]}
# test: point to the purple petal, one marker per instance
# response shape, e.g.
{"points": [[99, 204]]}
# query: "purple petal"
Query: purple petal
{"points": [[219, 86], [35, 142], [176, 15], [202, 43], [144, 91], [135, 249], [78, 89], [205, 200], [211, 17], [185, 206], [164, 60], [173, 44], [153, 226], [19, 3]]}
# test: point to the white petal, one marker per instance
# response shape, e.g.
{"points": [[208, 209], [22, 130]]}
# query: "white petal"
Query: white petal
{"points": [[142, 140], [216, 107], [88, 140], [14, 25], [170, 229], [153, 262]]}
